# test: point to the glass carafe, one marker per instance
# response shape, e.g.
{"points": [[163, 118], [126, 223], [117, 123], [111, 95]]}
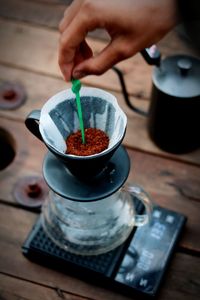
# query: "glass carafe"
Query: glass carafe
{"points": [[96, 227]]}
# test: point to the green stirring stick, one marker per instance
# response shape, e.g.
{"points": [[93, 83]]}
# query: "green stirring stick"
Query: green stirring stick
{"points": [[76, 86]]}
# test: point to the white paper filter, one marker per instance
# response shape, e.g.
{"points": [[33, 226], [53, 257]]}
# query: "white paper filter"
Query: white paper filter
{"points": [[100, 110]]}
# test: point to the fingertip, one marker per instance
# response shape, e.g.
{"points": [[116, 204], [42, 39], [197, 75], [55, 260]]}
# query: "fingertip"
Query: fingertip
{"points": [[66, 72], [61, 26]]}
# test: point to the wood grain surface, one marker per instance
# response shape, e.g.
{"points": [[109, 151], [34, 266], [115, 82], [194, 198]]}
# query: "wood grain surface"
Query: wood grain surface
{"points": [[15, 264], [28, 55]]}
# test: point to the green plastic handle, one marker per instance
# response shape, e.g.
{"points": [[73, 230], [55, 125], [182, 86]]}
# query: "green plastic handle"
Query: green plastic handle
{"points": [[76, 86]]}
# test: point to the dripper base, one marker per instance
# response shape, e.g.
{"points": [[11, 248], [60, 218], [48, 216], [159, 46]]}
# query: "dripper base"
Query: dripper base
{"points": [[63, 183]]}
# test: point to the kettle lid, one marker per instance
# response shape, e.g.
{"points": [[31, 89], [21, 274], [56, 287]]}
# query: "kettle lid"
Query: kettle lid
{"points": [[178, 76]]}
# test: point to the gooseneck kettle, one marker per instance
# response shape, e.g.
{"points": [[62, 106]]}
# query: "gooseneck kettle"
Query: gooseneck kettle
{"points": [[174, 113]]}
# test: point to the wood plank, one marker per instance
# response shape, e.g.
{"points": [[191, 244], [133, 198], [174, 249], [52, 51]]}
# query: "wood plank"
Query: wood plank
{"points": [[39, 88], [25, 290], [175, 189], [28, 159], [178, 283], [49, 13], [172, 184], [44, 13], [41, 13], [33, 48]]}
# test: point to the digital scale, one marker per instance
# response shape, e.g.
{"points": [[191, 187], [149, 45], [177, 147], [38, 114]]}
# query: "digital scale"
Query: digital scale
{"points": [[136, 267], [87, 209]]}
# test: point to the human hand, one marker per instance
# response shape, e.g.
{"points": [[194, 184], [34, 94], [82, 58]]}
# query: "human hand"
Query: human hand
{"points": [[131, 24]]}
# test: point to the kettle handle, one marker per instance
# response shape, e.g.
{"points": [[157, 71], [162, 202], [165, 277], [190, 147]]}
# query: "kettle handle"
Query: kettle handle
{"points": [[153, 57], [32, 123], [125, 93], [138, 192]]}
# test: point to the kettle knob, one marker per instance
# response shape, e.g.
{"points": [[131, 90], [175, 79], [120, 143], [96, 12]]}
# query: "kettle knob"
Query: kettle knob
{"points": [[184, 65]]}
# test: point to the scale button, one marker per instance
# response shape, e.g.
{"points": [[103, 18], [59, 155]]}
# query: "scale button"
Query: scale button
{"points": [[157, 213], [170, 219], [143, 282], [130, 277]]}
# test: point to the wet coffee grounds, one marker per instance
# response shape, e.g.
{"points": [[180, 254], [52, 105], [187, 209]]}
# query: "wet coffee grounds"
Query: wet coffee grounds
{"points": [[96, 141]]}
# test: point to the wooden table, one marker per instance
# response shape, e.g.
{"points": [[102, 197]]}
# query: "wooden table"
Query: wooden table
{"points": [[28, 55]]}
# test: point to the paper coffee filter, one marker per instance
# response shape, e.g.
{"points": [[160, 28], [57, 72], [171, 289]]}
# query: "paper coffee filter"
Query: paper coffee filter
{"points": [[100, 110]]}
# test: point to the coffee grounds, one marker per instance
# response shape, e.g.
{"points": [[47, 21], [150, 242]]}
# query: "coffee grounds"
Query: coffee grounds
{"points": [[96, 141]]}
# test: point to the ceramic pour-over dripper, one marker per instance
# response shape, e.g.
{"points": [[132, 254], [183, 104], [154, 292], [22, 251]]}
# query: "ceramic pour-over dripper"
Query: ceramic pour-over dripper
{"points": [[58, 119]]}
